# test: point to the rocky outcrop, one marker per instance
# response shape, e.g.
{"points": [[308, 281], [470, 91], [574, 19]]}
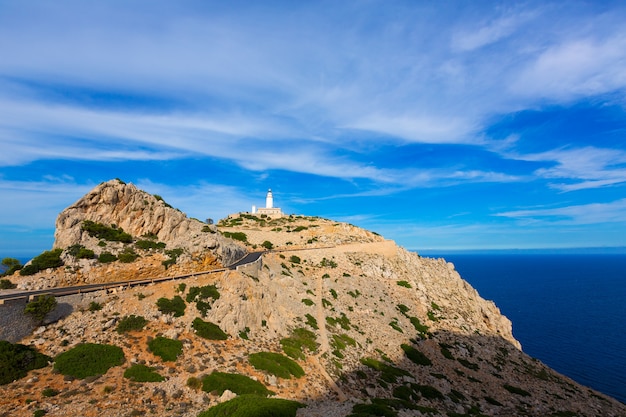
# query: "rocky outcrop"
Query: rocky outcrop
{"points": [[140, 214]]}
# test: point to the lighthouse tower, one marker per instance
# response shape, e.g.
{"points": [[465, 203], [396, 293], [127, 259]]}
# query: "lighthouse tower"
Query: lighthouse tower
{"points": [[269, 199], [269, 209]]}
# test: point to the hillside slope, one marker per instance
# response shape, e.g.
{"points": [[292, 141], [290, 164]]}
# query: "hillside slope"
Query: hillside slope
{"points": [[377, 330]]}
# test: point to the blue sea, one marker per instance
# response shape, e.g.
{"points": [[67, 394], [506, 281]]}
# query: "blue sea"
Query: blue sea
{"points": [[569, 311]]}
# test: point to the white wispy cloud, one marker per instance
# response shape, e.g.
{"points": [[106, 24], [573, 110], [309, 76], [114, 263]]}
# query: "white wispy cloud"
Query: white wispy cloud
{"points": [[594, 213]]}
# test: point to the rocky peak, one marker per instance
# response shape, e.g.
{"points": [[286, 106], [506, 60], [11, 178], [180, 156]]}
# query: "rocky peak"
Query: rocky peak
{"points": [[120, 205]]}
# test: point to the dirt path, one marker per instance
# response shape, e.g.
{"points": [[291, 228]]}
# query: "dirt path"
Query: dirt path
{"points": [[324, 345]]}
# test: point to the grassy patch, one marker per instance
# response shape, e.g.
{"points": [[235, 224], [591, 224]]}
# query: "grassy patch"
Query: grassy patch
{"points": [[142, 373], [88, 359], [218, 382], [307, 302], [276, 364], [166, 349], [253, 405], [208, 330], [311, 321], [175, 306], [404, 284], [240, 236], [17, 359], [131, 323]]}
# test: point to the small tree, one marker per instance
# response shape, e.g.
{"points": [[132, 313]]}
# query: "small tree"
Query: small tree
{"points": [[39, 307], [267, 245], [11, 265]]}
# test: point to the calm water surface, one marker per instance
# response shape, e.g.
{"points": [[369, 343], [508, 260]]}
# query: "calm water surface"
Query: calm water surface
{"points": [[569, 311]]}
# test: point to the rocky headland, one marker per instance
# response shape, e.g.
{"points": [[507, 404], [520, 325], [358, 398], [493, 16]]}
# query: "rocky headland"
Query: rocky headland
{"points": [[375, 329]]}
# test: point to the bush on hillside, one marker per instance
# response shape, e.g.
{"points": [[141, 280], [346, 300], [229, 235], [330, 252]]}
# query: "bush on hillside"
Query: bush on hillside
{"points": [[88, 359], [175, 306], [6, 284], [100, 231], [240, 236], [11, 265], [47, 259], [130, 323], [300, 338], [107, 257], [142, 373], [276, 364], [40, 306], [253, 405], [218, 382], [415, 355], [166, 349], [208, 330], [17, 359]]}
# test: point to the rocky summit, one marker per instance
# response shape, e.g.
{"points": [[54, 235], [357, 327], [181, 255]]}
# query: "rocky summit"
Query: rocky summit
{"points": [[331, 320]]}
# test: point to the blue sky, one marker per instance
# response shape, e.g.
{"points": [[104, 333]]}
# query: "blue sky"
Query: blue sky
{"points": [[441, 125]]}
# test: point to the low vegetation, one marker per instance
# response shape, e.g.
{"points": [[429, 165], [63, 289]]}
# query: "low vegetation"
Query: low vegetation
{"points": [[131, 323], [299, 340], [175, 306], [240, 236], [208, 330], [276, 364], [143, 373], [17, 359], [254, 405], [218, 382], [47, 259], [11, 265], [415, 355], [167, 349], [41, 306], [111, 233], [202, 296], [88, 359], [388, 373]]}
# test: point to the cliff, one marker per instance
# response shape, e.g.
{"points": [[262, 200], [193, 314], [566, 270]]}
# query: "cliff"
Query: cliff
{"points": [[375, 329]]}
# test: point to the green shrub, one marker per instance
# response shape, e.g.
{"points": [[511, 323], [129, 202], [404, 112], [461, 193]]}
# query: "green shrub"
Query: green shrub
{"points": [[415, 355], [127, 256], [208, 330], [149, 244], [422, 329], [39, 413], [218, 382], [17, 359], [253, 405], [328, 263], [88, 359], [404, 284], [516, 390], [240, 236], [468, 364], [166, 349], [276, 364], [85, 253], [201, 296], [371, 410], [12, 265], [388, 373], [300, 338], [175, 306], [94, 306], [294, 259], [47, 259], [307, 302], [40, 306], [445, 351], [49, 392], [100, 231], [194, 383], [131, 323], [428, 391], [107, 257], [6, 284], [142, 373], [267, 245], [311, 321], [173, 257]]}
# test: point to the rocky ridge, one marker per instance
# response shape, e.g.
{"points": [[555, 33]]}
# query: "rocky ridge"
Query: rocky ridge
{"points": [[365, 300]]}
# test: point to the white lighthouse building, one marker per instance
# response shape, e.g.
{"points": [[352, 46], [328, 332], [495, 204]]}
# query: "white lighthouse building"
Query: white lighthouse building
{"points": [[269, 208]]}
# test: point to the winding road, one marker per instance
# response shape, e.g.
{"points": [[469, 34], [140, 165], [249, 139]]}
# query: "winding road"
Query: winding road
{"points": [[79, 289]]}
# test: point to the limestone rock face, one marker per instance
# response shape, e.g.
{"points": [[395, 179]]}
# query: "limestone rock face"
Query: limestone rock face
{"points": [[140, 214]]}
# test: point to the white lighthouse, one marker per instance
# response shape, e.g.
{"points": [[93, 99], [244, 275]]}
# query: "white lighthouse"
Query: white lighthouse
{"points": [[269, 200], [269, 209]]}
